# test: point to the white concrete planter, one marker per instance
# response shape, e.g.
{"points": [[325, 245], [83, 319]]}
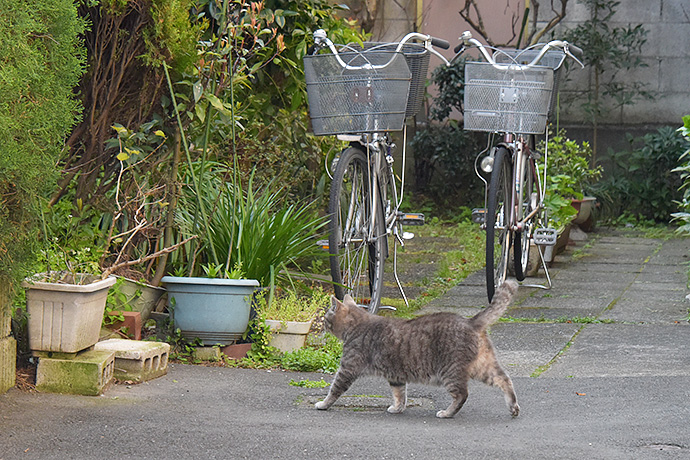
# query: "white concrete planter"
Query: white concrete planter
{"points": [[65, 317], [288, 335], [141, 297]]}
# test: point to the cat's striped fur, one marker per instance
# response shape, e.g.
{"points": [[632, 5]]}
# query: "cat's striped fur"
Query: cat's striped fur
{"points": [[440, 348]]}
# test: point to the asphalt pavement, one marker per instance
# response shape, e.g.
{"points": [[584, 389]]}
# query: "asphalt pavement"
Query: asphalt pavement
{"points": [[600, 364]]}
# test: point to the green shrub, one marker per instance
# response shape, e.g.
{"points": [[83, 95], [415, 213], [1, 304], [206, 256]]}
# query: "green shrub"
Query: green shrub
{"points": [[569, 177], [290, 306], [683, 216], [444, 154], [642, 181], [323, 357], [444, 165], [41, 61]]}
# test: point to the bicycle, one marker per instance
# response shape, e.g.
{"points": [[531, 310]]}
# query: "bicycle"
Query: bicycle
{"points": [[512, 94], [361, 93]]}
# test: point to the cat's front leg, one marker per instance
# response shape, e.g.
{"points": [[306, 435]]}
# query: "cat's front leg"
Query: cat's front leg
{"points": [[399, 397], [341, 382]]}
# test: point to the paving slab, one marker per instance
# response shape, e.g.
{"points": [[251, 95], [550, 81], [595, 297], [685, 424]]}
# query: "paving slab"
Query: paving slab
{"points": [[637, 311], [623, 350], [522, 348]]}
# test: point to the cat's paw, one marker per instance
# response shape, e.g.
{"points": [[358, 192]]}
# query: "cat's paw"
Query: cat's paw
{"points": [[396, 409], [444, 414], [321, 405], [515, 410]]}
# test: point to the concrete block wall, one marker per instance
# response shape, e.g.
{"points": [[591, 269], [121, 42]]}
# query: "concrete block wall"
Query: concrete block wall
{"points": [[666, 53]]}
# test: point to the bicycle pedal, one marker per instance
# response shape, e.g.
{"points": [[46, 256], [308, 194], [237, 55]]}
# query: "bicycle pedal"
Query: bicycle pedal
{"points": [[410, 218], [479, 215], [323, 244], [545, 236]]}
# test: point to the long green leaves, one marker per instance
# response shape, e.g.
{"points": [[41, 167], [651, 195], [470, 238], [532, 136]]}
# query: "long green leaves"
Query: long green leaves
{"points": [[252, 228]]}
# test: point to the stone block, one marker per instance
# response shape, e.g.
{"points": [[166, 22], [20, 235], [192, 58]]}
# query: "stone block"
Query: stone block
{"points": [[8, 363], [135, 360], [207, 353], [88, 373]]}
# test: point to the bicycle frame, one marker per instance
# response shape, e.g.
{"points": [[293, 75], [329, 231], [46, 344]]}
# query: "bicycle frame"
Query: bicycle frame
{"points": [[364, 202]]}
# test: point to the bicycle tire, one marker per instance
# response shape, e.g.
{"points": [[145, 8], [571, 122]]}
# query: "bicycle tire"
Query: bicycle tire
{"points": [[527, 199], [498, 235], [356, 258]]}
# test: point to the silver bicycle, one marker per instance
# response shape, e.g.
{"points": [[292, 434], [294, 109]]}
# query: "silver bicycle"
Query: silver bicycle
{"points": [[362, 93], [511, 95]]}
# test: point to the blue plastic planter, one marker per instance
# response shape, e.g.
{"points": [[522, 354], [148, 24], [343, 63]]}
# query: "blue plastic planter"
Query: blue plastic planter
{"points": [[214, 310]]}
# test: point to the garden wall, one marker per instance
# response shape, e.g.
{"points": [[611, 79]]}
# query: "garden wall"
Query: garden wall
{"points": [[666, 55]]}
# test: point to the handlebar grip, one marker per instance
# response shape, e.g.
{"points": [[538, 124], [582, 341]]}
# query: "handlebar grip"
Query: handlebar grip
{"points": [[440, 43], [576, 50], [458, 48]]}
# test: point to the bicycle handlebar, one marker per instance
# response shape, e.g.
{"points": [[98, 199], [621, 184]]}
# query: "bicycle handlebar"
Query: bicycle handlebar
{"points": [[440, 43], [569, 49], [321, 40]]}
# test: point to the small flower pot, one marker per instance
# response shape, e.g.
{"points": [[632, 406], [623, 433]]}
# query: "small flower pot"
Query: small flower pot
{"points": [[584, 207], [288, 335]]}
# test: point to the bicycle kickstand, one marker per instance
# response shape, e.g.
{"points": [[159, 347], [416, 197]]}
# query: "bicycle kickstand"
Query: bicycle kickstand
{"points": [[395, 271], [546, 272]]}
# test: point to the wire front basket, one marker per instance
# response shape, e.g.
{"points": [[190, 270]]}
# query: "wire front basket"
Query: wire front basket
{"points": [[553, 58], [513, 99], [417, 58], [361, 100]]}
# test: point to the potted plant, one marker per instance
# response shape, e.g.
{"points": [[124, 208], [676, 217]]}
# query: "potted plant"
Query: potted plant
{"points": [[65, 302], [65, 310], [214, 309], [289, 316], [568, 179], [254, 230]]}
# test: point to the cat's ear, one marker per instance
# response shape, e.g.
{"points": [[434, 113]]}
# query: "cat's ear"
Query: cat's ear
{"points": [[349, 301], [334, 303]]}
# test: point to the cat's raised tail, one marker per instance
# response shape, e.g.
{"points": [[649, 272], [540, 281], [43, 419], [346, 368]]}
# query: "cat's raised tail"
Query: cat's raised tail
{"points": [[504, 294]]}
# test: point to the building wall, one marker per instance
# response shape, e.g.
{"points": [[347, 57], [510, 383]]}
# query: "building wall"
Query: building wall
{"points": [[666, 54], [667, 51]]}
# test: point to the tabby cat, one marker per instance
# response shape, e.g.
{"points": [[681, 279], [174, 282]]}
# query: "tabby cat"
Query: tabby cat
{"points": [[441, 348]]}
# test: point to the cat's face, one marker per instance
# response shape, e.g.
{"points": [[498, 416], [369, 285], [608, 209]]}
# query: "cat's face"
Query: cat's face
{"points": [[337, 317]]}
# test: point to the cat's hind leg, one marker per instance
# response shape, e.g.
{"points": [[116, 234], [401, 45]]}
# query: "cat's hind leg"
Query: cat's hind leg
{"points": [[458, 390], [494, 375], [341, 382], [399, 397]]}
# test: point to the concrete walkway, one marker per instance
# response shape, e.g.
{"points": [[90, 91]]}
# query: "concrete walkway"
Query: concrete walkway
{"points": [[603, 373]]}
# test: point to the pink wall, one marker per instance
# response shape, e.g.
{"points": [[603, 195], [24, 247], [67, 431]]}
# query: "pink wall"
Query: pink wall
{"points": [[441, 18]]}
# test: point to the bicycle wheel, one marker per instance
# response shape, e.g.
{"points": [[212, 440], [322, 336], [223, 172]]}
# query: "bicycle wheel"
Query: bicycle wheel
{"points": [[527, 199], [498, 235], [357, 252]]}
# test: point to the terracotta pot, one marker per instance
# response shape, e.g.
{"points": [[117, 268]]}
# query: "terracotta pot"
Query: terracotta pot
{"points": [[584, 209]]}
